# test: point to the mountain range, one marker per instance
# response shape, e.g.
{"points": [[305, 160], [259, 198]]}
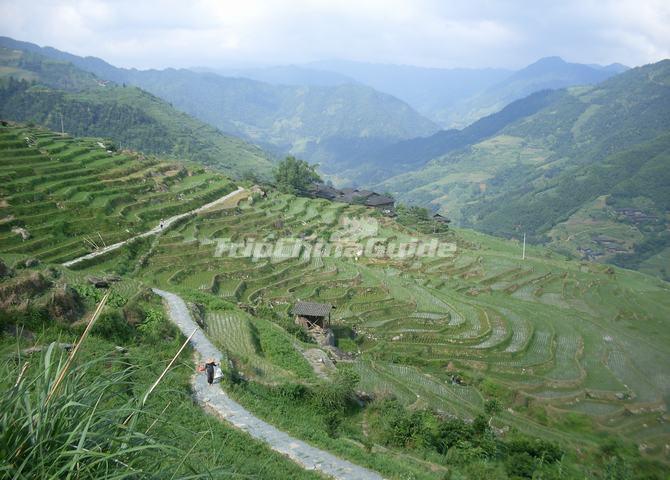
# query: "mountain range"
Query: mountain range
{"points": [[584, 169], [580, 168], [54, 93], [316, 122], [451, 97]]}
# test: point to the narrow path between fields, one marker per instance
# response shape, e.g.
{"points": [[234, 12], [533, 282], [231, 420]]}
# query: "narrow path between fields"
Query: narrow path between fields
{"points": [[157, 229], [215, 399]]}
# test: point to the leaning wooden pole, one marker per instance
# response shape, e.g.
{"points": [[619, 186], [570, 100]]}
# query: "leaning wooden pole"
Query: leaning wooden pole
{"points": [[174, 359], [160, 377], [74, 351]]}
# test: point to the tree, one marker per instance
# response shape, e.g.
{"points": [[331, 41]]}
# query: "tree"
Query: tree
{"points": [[492, 407], [294, 176]]}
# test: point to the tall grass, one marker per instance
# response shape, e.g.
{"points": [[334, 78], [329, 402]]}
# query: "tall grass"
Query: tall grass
{"points": [[78, 432]]}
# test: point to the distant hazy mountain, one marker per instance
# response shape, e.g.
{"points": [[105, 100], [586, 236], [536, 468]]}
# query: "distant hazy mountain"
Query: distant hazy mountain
{"points": [[34, 88], [431, 91], [286, 75], [318, 123], [455, 98], [546, 73], [587, 172]]}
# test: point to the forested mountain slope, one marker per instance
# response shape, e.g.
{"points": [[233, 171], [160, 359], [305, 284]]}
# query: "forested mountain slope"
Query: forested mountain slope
{"points": [[318, 123], [588, 172], [370, 166], [546, 73], [41, 90]]}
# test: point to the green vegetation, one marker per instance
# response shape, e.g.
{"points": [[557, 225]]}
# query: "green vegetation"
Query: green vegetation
{"points": [[63, 197], [419, 219], [80, 430], [294, 176], [323, 124], [544, 347], [84, 431], [576, 174], [478, 364], [131, 117]]}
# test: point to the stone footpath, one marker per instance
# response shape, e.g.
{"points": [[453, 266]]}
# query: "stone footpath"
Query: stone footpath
{"points": [[157, 229], [213, 398]]}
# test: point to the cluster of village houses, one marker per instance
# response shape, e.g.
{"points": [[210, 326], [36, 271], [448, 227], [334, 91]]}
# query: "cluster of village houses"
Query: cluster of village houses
{"points": [[383, 203]]}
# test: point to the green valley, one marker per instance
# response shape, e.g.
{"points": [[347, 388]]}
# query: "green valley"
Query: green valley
{"points": [[593, 156], [323, 124], [475, 363]]}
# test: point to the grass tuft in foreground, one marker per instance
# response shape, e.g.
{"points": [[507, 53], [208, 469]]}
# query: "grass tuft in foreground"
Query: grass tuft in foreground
{"points": [[77, 432]]}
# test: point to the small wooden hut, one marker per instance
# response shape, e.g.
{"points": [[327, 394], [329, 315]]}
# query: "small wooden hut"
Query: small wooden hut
{"points": [[310, 314]]}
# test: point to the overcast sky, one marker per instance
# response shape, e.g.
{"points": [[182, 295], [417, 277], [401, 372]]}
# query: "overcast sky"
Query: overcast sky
{"points": [[439, 33]]}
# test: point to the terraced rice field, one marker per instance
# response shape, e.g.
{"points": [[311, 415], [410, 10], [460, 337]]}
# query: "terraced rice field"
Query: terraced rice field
{"points": [[63, 197], [558, 342], [534, 328]]}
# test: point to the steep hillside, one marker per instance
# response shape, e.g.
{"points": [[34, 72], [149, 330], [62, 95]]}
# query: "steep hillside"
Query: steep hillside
{"points": [[457, 97], [130, 116], [470, 359], [608, 141], [300, 120], [62, 196], [546, 73], [376, 165], [286, 75], [317, 123]]}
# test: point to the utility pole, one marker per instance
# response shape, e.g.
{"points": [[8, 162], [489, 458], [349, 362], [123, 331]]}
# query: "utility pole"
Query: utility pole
{"points": [[523, 252], [62, 128]]}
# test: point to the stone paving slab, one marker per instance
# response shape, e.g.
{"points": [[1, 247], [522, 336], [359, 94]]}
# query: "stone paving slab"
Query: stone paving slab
{"points": [[213, 398]]}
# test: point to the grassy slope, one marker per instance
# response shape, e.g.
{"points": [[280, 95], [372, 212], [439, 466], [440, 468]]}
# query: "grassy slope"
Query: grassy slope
{"points": [[204, 444], [62, 190], [557, 341], [128, 115]]}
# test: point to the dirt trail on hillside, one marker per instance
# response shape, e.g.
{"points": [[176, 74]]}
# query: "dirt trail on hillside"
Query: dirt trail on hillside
{"points": [[214, 399], [242, 192]]}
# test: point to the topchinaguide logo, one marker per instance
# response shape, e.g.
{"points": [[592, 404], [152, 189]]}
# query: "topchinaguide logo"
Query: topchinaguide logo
{"points": [[355, 237]]}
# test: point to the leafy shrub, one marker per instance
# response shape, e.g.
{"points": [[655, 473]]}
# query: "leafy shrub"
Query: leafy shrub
{"points": [[113, 326], [155, 326], [336, 394], [293, 175], [211, 302]]}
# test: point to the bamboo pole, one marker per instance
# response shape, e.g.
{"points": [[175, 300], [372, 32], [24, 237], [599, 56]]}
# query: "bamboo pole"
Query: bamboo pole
{"points": [[74, 351], [160, 377], [23, 370], [158, 417]]}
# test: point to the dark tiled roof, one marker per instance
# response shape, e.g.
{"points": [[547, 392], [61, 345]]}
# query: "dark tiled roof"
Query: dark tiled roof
{"points": [[363, 193], [311, 309], [351, 195], [377, 200]]}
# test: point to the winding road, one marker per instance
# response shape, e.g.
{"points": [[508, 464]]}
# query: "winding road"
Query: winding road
{"points": [[214, 399], [157, 229]]}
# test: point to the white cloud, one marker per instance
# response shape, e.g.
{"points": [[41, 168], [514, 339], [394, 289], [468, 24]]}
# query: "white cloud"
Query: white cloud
{"points": [[446, 33]]}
